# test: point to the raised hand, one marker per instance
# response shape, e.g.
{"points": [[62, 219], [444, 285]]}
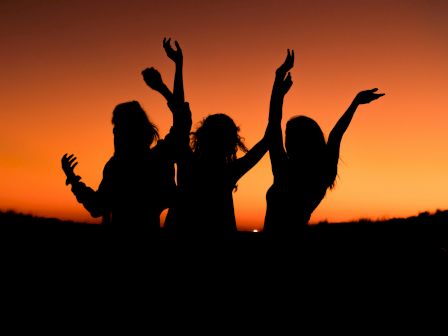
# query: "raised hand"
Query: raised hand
{"points": [[365, 97], [285, 84], [287, 64], [283, 81], [153, 79], [175, 55], [68, 166]]}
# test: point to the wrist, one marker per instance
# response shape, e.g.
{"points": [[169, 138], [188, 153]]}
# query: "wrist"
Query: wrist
{"points": [[72, 179], [355, 102]]}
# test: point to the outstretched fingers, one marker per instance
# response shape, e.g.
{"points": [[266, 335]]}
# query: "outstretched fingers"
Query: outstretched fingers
{"points": [[66, 159], [366, 96], [166, 42], [167, 46], [177, 46], [290, 57], [69, 163], [287, 64], [73, 163], [174, 54], [376, 95]]}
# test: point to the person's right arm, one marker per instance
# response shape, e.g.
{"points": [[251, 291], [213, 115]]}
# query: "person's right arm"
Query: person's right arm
{"points": [[153, 79], [177, 57], [339, 129], [176, 145], [181, 116], [282, 84], [272, 139], [176, 98], [93, 201]]}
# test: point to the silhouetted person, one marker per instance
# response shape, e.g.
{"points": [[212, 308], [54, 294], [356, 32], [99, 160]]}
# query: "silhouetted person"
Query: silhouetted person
{"points": [[182, 118], [138, 180], [306, 167], [208, 173]]}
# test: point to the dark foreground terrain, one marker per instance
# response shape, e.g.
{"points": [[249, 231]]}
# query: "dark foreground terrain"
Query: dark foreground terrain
{"points": [[373, 270], [419, 240]]}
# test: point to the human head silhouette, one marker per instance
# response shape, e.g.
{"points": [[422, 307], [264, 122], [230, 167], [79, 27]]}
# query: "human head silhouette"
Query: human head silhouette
{"points": [[217, 138], [133, 132], [304, 139]]}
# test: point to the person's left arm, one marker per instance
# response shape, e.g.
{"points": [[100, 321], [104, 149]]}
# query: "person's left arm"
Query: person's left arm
{"points": [[282, 84], [176, 55], [338, 131]]}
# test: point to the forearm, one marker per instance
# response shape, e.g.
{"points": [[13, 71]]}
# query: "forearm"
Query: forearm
{"points": [[173, 104], [252, 157], [258, 151], [343, 123], [181, 118], [277, 152], [178, 89], [88, 198], [276, 102], [276, 108], [274, 131], [165, 92]]}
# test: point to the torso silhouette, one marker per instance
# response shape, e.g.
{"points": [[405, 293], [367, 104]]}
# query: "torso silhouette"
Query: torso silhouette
{"points": [[134, 190], [305, 165], [292, 198], [205, 204]]}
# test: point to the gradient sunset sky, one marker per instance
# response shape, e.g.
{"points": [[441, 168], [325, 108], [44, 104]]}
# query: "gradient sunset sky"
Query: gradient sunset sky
{"points": [[66, 64]]}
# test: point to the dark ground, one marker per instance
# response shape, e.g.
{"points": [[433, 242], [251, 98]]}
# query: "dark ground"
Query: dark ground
{"points": [[402, 242], [372, 270]]}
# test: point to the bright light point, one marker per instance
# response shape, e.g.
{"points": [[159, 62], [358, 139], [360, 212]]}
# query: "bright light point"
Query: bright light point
{"points": [[255, 230]]}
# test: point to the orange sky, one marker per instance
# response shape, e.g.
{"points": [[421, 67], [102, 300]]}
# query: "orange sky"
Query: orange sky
{"points": [[66, 64]]}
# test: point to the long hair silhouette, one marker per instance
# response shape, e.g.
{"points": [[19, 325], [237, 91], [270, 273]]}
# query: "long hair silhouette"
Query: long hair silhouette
{"points": [[218, 138], [133, 131], [138, 180], [305, 167], [208, 170], [211, 170]]}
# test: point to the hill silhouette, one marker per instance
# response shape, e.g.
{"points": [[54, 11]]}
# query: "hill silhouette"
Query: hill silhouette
{"points": [[337, 261], [422, 234]]}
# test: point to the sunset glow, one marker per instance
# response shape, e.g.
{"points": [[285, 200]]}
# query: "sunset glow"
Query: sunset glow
{"points": [[66, 64]]}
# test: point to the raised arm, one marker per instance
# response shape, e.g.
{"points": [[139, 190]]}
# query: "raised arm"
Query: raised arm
{"points": [[336, 134], [69, 163], [242, 165], [153, 79], [273, 135], [176, 56], [282, 84], [177, 105], [181, 116], [177, 142], [93, 201]]}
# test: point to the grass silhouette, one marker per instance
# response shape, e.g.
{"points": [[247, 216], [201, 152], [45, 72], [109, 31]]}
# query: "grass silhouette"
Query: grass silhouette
{"points": [[424, 233], [337, 260]]}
